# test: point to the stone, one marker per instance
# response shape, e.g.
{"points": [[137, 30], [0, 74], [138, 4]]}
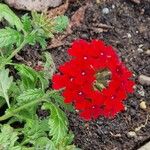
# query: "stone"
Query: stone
{"points": [[140, 50], [129, 35], [37, 5], [113, 6], [144, 80], [145, 147], [148, 52], [131, 134], [143, 105], [105, 11], [136, 1]]}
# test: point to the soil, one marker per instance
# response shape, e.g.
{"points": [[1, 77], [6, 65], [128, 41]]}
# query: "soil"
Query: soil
{"points": [[128, 25]]}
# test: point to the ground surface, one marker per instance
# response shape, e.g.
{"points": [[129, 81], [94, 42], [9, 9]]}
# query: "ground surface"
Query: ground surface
{"points": [[128, 31]]}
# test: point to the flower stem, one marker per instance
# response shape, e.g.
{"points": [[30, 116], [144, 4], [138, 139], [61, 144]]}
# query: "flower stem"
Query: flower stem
{"points": [[13, 54], [15, 111]]}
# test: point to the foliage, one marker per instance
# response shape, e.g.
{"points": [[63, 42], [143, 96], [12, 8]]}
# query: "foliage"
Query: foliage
{"points": [[27, 92], [27, 30], [5, 83]]}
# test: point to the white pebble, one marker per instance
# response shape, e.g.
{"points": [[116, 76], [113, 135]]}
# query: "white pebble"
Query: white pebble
{"points": [[148, 52], [105, 11], [131, 134], [113, 6], [129, 35], [144, 80], [143, 105]]}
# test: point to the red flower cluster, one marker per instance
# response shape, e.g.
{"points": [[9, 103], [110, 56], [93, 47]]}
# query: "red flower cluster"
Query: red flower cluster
{"points": [[78, 76]]}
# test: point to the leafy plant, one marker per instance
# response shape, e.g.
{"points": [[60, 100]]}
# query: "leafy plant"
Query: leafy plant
{"points": [[21, 126], [23, 108], [27, 30]]}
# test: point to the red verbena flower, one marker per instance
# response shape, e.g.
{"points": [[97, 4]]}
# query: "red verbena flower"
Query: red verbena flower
{"points": [[95, 80]]}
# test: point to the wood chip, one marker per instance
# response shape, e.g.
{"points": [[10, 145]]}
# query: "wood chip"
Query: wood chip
{"points": [[136, 1]]}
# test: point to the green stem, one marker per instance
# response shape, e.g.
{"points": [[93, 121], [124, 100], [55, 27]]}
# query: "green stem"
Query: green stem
{"points": [[11, 113], [13, 54]]}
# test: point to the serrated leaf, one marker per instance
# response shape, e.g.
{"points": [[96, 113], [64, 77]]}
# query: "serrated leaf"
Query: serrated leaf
{"points": [[9, 36], [58, 123], [49, 66], [31, 79], [44, 143], [9, 15], [27, 24], [28, 76], [42, 41], [60, 101], [61, 23], [35, 37], [43, 24], [5, 84], [8, 138], [30, 95], [35, 130]]}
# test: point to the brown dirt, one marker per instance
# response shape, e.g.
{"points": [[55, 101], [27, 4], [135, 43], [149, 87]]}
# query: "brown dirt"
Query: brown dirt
{"points": [[130, 24]]}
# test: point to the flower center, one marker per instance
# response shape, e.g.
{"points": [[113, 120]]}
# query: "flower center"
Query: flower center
{"points": [[103, 78]]}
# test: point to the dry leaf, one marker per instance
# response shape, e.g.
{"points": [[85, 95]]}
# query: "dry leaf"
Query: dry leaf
{"points": [[78, 16], [59, 40], [58, 11]]}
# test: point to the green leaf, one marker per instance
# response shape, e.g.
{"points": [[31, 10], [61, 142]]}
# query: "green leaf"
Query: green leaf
{"points": [[28, 76], [31, 79], [61, 23], [49, 66], [9, 15], [58, 122], [8, 138], [2, 102], [35, 130], [9, 36], [35, 37], [44, 143], [42, 41], [27, 24], [56, 96], [30, 95], [5, 83], [43, 24]]}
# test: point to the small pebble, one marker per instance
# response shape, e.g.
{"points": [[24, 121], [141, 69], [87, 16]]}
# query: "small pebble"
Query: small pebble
{"points": [[131, 134], [113, 6], [141, 45], [129, 35], [140, 50], [85, 36], [144, 80], [136, 1], [105, 11], [143, 105], [148, 52]]}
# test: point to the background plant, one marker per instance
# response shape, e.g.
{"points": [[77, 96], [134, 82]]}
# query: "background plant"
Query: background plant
{"points": [[21, 128], [27, 30]]}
